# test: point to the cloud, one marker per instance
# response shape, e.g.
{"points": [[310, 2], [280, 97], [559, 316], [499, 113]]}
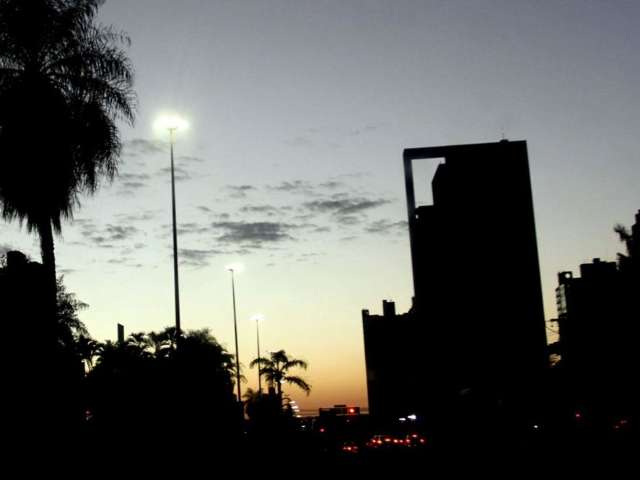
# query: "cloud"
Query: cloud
{"points": [[137, 217], [294, 186], [386, 226], [196, 257], [332, 184], [131, 182], [142, 146], [180, 173], [123, 192], [117, 261], [305, 257], [355, 175], [190, 158], [349, 220], [204, 209], [304, 217], [239, 191], [343, 206], [268, 210], [99, 241], [104, 237], [306, 187], [133, 185], [369, 128], [254, 232], [299, 141], [133, 177], [87, 227], [190, 228], [120, 232]]}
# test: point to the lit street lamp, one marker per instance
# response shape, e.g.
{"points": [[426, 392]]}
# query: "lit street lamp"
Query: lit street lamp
{"points": [[173, 123]]}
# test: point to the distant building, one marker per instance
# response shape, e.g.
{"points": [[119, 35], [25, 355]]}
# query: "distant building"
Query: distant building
{"points": [[599, 326], [477, 323], [388, 372], [340, 423], [585, 305], [339, 411]]}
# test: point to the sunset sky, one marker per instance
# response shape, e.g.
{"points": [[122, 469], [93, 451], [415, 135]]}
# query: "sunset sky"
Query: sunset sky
{"points": [[299, 112]]}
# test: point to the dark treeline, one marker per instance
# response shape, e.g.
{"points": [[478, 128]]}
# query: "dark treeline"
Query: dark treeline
{"points": [[150, 392]]}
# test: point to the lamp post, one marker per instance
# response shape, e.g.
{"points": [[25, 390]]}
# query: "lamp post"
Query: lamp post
{"points": [[172, 124], [176, 286], [235, 329]]}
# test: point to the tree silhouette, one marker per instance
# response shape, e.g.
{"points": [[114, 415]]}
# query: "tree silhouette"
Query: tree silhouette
{"points": [[87, 349], [275, 370], [147, 379], [629, 260], [161, 343], [64, 83], [69, 326]]}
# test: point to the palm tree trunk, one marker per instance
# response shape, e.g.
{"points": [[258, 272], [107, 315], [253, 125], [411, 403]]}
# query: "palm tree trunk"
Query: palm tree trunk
{"points": [[45, 232], [279, 390], [49, 376]]}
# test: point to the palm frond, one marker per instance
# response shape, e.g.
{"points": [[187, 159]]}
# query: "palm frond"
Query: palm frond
{"points": [[295, 363], [262, 362], [623, 232], [299, 382]]}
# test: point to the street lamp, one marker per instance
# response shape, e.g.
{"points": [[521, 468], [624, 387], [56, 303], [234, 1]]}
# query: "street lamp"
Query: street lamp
{"points": [[233, 269], [258, 318], [172, 124]]}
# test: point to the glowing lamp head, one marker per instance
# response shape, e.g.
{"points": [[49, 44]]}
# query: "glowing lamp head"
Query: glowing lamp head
{"points": [[258, 317], [171, 122]]}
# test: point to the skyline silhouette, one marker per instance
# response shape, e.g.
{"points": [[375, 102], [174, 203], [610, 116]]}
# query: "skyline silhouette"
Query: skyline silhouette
{"points": [[149, 281], [294, 146]]}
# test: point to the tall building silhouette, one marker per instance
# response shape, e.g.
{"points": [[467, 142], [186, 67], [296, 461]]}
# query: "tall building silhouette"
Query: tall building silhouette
{"points": [[477, 319]]}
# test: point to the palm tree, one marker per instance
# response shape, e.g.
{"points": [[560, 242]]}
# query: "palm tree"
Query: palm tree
{"points": [[139, 344], [275, 370], [627, 260], [87, 349], [160, 343], [64, 84]]}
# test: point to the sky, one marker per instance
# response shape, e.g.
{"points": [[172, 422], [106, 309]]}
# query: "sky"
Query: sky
{"points": [[299, 111]]}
